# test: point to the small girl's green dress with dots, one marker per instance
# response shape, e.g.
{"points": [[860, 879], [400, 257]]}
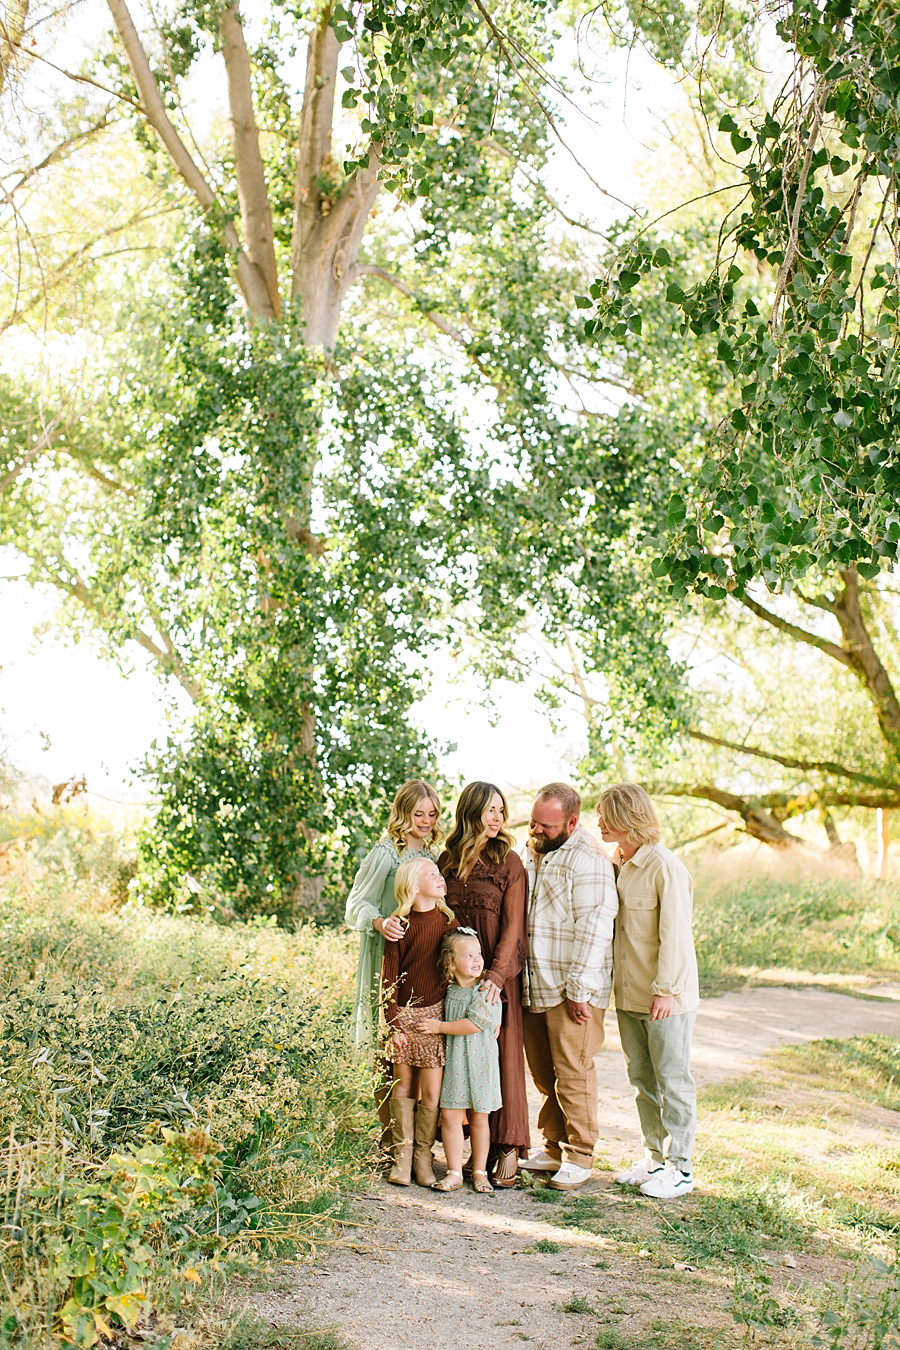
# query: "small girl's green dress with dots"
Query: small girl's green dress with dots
{"points": [[471, 1079]]}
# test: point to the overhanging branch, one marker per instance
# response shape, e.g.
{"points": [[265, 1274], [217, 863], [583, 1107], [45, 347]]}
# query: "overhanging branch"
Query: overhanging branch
{"points": [[809, 765], [795, 631]]}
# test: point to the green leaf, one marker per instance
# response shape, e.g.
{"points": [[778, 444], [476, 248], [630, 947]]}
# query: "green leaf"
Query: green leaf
{"points": [[674, 293], [727, 123], [739, 419]]}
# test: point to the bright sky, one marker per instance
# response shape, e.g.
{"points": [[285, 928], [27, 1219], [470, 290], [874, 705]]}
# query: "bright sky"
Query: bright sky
{"points": [[66, 711]]}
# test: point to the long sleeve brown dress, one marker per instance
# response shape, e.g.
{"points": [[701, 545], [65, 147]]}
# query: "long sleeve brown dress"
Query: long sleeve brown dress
{"points": [[494, 901]]}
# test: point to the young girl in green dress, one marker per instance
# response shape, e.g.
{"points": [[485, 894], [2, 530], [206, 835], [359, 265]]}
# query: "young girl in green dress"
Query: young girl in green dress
{"points": [[471, 1084]]}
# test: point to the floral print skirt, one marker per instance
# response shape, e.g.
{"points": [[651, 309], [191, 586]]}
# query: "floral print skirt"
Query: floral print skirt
{"points": [[421, 1051]]}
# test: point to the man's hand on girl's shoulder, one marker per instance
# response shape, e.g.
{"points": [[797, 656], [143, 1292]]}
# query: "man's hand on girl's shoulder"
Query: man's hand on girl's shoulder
{"points": [[490, 992]]}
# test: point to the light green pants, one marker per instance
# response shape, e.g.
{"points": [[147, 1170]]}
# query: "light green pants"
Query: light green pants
{"points": [[658, 1059]]}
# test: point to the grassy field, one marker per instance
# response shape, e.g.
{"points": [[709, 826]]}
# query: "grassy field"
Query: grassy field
{"points": [[178, 1100], [778, 920], [792, 1240]]}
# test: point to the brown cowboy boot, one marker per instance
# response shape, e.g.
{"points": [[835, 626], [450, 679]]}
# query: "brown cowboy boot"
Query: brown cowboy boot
{"points": [[402, 1109], [426, 1128]]}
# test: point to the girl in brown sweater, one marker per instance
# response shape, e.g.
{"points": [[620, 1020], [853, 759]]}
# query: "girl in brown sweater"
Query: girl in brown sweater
{"points": [[413, 990]]}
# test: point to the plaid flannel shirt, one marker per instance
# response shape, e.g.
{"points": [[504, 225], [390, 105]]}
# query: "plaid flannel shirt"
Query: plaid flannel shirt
{"points": [[570, 924]]}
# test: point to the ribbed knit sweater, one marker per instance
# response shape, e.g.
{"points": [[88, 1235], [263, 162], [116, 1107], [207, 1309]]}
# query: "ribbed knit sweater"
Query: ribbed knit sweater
{"points": [[410, 974]]}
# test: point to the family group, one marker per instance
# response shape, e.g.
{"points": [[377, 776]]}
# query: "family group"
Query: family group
{"points": [[477, 957]]}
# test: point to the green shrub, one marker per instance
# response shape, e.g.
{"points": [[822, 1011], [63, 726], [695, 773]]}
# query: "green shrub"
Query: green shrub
{"points": [[127, 1039]]}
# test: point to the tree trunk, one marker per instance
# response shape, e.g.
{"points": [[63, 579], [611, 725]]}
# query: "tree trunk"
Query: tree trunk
{"points": [[329, 216], [256, 214], [865, 661]]}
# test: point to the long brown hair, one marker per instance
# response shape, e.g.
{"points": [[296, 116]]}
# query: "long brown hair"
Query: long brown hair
{"points": [[402, 808], [468, 841]]}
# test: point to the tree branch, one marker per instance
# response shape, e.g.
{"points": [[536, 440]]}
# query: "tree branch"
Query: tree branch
{"points": [[249, 279], [793, 630], [167, 657], [43, 442], [315, 136], [438, 320], [758, 822], [330, 212], [819, 765], [60, 151], [256, 214]]}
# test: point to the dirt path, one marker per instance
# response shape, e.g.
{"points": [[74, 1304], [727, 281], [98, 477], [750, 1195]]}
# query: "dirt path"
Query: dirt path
{"points": [[433, 1273]]}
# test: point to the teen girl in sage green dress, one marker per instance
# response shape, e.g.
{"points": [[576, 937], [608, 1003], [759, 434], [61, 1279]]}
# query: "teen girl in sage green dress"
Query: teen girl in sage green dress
{"points": [[413, 831]]}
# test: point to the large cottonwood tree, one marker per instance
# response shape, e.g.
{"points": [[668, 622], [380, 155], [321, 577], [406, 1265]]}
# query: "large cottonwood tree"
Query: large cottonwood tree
{"points": [[315, 440]]}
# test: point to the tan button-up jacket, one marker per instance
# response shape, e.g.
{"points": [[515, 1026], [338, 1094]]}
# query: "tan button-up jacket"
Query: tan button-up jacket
{"points": [[653, 951]]}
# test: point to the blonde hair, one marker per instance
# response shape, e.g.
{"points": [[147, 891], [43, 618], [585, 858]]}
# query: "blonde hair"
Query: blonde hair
{"points": [[406, 888], [448, 951], [400, 821], [628, 808], [468, 841]]}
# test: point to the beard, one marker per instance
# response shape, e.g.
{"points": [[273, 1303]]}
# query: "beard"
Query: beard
{"points": [[547, 843]]}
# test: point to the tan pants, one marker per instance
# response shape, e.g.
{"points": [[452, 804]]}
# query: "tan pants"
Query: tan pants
{"points": [[560, 1055]]}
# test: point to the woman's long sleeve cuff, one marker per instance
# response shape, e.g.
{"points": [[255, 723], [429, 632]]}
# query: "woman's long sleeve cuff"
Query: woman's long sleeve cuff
{"points": [[363, 918]]}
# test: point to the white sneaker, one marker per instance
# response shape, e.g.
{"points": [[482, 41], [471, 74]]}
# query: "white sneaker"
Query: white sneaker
{"points": [[639, 1173], [539, 1161], [570, 1177], [668, 1184]]}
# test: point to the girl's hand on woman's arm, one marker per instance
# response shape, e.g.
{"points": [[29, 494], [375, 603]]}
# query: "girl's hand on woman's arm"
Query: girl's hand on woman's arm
{"points": [[432, 1026], [391, 929]]}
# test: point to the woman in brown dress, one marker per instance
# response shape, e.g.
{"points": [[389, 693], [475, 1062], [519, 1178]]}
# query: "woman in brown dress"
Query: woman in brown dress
{"points": [[487, 890]]}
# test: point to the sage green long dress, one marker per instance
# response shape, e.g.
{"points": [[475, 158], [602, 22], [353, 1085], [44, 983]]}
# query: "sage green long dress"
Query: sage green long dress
{"points": [[372, 894]]}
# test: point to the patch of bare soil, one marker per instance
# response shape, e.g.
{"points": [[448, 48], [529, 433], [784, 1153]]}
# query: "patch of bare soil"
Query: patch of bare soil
{"points": [[430, 1272]]}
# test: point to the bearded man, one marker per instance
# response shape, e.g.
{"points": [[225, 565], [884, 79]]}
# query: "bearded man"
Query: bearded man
{"points": [[572, 908]]}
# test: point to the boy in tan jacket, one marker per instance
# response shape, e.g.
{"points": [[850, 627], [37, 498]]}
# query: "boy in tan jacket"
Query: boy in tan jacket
{"points": [[656, 987]]}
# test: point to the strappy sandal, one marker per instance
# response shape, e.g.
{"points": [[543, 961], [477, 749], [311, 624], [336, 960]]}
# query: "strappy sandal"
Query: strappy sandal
{"points": [[506, 1168], [482, 1187], [447, 1184]]}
